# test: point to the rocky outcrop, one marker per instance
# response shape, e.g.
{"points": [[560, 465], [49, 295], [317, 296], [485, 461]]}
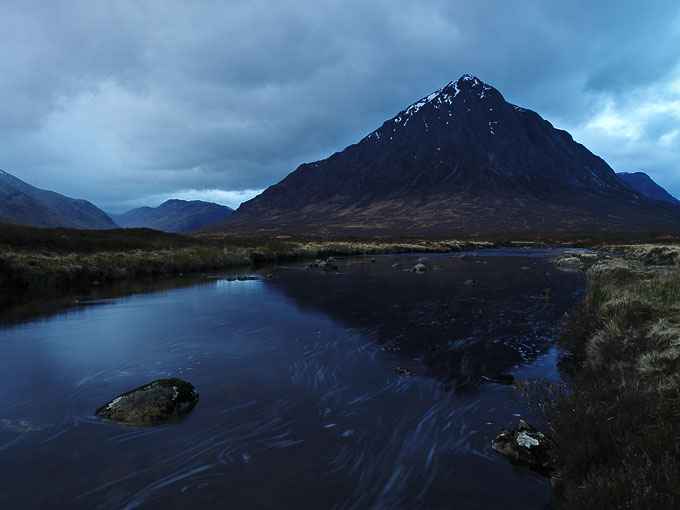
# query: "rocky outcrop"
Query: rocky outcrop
{"points": [[154, 402]]}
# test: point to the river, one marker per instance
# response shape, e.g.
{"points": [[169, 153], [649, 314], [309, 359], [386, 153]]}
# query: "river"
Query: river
{"points": [[300, 405]]}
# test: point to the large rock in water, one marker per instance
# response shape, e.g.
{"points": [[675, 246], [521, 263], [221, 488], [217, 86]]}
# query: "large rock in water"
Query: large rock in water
{"points": [[156, 401], [525, 444]]}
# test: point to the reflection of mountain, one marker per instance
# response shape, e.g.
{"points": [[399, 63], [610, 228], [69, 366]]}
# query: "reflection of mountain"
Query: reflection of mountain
{"points": [[22, 306], [459, 333]]}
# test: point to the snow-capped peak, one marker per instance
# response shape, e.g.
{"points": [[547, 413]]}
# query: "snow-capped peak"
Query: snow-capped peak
{"points": [[468, 77], [442, 98], [444, 95]]}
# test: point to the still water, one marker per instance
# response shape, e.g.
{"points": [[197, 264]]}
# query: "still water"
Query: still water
{"points": [[300, 405]]}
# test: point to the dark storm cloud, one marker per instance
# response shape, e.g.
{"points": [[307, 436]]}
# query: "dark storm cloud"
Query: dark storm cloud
{"points": [[127, 102]]}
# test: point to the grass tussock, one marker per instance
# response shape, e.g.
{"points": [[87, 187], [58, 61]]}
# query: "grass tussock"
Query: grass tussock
{"points": [[616, 418]]}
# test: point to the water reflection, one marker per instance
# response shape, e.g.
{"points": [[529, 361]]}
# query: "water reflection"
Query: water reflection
{"points": [[300, 407], [457, 332]]}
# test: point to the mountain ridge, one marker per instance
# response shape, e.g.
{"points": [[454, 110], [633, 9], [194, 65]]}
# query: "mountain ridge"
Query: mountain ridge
{"points": [[21, 202], [174, 215], [459, 160], [642, 182]]}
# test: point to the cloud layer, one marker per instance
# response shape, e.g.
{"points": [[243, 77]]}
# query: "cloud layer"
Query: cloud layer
{"points": [[126, 103]]}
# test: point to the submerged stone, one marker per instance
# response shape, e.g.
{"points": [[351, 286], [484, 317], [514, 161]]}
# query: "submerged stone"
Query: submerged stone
{"points": [[23, 425], [156, 401], [403, 371], [526, 445], [499, 378], [547, 295]]}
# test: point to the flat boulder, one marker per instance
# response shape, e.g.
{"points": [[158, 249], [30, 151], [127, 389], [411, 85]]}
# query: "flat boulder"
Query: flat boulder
{"points": [[526, 445], [154, 402]]}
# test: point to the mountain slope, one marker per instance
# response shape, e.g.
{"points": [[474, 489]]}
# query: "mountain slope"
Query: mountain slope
{"points": [[174, 215], [461, 160], [29, 205], [644, 184]]}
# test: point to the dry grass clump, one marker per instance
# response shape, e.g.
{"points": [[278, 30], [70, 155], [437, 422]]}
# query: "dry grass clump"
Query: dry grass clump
{"points": [[657, 255], [616, 420]]}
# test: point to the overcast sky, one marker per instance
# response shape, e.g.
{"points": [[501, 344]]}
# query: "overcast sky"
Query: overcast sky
{"points": [[128, 103]]}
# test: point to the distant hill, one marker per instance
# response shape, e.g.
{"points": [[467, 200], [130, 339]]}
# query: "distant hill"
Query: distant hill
{"points": [[26, 204], [460, 161], [174, 215], [643, 183]]}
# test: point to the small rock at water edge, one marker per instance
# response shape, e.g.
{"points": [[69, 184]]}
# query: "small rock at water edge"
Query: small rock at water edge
{"points": [[329, 265], [525, 444]]}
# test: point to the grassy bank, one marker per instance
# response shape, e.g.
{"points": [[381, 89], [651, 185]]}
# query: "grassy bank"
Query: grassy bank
{"points": [[49, 258], [616, 417], [52, 258]]}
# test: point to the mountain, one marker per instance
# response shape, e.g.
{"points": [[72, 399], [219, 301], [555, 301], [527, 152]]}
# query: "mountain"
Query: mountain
{"points": [[174, 215], [644, 184], [29, 205], [461, 160]]}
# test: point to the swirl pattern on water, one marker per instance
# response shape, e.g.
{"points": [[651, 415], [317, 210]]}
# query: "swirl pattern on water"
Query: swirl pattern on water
{"points": [[300, 406]]}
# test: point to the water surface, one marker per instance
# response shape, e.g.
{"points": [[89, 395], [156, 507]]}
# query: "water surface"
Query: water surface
{"points": [[300, 406]]}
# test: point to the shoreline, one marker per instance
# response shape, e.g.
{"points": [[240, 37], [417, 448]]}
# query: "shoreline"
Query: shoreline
{"points": [[46, 270], [35, 258], [613, 417]]}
